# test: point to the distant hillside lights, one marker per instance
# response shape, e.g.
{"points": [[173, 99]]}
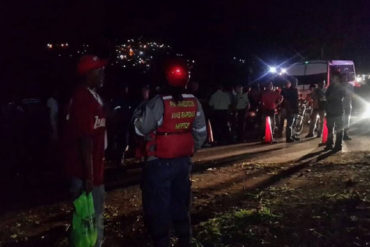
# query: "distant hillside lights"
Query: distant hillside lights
{"points": [[61, 45], [136, 54]]}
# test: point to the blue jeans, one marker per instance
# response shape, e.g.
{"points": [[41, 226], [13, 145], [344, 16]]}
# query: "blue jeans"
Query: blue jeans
{"points": [[98, 192], [166, 193]]}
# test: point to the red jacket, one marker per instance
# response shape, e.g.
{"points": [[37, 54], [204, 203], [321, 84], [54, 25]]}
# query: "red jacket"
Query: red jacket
{"points": [[270, 99], [85, 117]]}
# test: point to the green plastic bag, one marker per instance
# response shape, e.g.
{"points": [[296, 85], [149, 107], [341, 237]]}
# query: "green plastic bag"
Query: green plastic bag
{"points": [[84, 230]]}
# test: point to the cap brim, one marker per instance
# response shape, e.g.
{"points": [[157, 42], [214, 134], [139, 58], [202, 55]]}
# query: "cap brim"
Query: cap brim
{"points": [[98, 65]]}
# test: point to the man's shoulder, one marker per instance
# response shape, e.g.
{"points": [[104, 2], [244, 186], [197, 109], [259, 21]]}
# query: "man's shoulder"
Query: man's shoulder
{"points": [[51, 101], [155, 101], [217, 92], [80, 92]]}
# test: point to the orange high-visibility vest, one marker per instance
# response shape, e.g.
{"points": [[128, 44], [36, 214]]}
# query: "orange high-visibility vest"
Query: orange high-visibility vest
{"points": [[174, 139]]}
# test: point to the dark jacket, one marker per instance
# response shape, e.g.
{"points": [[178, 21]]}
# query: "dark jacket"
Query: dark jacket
{"points": [[290, 99], [334, 100]]}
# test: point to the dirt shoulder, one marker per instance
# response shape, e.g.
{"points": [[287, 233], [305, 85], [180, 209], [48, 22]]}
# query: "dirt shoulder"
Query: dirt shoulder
{"points": [[325, 204], [246, 203]]}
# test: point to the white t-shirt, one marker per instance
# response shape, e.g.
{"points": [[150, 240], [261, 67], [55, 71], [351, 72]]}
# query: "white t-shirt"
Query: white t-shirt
{"points": [[242, 101], [220, 100]]}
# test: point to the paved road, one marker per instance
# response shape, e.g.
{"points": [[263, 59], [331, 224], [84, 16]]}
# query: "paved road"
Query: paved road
{"points": [[285, 152], [206, 158]]}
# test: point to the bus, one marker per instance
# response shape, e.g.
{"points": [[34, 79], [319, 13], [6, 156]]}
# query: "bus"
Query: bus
{"points": [[314, 71]]}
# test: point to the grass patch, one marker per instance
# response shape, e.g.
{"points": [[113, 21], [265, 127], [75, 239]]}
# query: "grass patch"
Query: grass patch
{"points": [[244, 226]]}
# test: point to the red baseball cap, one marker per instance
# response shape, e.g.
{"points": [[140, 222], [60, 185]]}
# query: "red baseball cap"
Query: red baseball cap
{"points": [[90, 62]]}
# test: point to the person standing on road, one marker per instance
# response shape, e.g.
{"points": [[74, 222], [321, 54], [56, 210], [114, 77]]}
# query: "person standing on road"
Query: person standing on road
{"points": [[117, 126], [347, 110], [53, 107], [318, 108], [270, 100], [334, 111], [242, 107], [220, 103], [52, 148], [289, 109], [173, 124], [84, 142]]}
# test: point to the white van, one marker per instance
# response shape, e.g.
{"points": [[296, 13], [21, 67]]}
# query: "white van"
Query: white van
{"points": [[314, 71]]}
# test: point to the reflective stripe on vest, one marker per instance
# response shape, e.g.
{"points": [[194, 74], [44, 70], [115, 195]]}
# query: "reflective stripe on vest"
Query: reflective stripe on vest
{"points": [[174, 137]]}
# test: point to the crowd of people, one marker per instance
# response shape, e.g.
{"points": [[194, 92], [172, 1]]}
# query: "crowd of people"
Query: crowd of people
{"points": [[238, 115], [162, 127]]}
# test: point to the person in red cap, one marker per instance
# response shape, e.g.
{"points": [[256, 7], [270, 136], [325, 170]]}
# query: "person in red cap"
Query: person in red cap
{"points": [[84, 137], [174, 127]]}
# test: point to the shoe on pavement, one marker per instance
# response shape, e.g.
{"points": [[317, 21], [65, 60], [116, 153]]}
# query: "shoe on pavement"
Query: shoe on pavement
{"points": [[309, 135], [337, 148], [347, 138], [290, 140], [328, 147]]}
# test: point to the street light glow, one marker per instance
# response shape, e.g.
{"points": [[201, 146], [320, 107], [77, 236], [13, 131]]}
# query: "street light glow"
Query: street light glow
{"points": [[273, 70], [283, 71]]}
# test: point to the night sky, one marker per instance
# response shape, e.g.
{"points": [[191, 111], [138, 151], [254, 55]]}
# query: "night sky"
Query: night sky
{"points": [[208, 30]]}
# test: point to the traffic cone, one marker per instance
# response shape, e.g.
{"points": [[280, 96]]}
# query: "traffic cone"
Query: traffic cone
{"points": [[324, 133], [268, 131], [209, 132]]}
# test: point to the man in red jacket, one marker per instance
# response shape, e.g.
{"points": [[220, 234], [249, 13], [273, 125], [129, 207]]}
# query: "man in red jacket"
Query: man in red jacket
{"points": [[84, 142], [270, 100]]}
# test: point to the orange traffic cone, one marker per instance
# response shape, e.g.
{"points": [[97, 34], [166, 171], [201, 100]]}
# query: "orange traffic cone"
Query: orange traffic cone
{"points": [[268, 131], [324, 133], [209, 132]]}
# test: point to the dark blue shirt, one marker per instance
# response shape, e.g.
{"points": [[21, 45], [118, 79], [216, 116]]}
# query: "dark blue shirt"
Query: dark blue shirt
{"points": [[334, 100]]}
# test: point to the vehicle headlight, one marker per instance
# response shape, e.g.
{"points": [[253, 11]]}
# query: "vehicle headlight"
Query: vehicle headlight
{"points": [[366, 113]]}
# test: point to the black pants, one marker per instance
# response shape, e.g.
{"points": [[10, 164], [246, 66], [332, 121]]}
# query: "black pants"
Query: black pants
{"points": [[241, 123], [166, 192], [334, 124], [289, 116], [221, 128], [288, 130]]}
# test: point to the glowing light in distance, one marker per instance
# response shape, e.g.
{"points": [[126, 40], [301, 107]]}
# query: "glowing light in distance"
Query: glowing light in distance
{"points": [[366, 113], [283, 71], [273, 70]]}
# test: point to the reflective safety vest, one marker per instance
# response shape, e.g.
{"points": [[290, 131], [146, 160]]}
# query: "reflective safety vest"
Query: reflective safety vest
{"points": [[174, 139]]}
